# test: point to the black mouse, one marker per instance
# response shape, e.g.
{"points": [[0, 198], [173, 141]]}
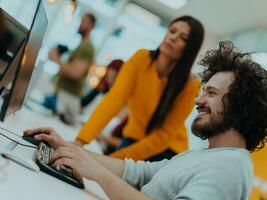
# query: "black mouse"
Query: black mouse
{"points": [[31, 139]]}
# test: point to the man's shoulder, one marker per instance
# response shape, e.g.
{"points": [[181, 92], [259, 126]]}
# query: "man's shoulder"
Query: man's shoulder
{"points": [[220, 156], [232, 165], [230, 154], [228, 171], [231, 160]]}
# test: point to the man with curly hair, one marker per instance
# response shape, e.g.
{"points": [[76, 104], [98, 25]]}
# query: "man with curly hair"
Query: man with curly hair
{"points": [[232, 116]]}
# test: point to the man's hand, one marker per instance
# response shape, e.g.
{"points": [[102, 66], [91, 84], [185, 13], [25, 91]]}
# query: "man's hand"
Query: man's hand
{"points": [[77, 158], [46, 134], [91, 166]]}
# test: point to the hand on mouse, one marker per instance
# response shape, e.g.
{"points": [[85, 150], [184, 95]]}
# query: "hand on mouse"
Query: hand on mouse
{"points": [[48, 135]]}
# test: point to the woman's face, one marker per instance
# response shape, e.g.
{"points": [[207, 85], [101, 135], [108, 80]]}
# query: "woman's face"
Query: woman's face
{"points": [[175, 40]]}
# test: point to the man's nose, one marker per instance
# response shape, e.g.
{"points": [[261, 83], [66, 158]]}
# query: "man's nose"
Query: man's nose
{"points": [[200, 99]]}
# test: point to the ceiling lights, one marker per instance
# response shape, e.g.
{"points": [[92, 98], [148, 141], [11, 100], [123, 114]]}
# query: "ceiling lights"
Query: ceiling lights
{"points": [[174, 4], [70, 10], [51, 1], [142, 14]]}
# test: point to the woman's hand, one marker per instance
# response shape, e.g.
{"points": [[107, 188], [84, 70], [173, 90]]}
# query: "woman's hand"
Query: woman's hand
{"points": [[110, 140], [77, 158], [46, 134]]}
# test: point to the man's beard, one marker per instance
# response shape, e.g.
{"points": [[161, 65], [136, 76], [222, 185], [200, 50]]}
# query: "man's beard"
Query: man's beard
{"points": [[211, 128]]}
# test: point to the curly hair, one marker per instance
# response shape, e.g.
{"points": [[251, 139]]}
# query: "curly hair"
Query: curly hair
{"points": [[245, 105]]}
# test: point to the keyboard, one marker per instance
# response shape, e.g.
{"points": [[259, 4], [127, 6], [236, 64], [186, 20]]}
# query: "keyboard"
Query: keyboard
{"points": [[62, 172]]}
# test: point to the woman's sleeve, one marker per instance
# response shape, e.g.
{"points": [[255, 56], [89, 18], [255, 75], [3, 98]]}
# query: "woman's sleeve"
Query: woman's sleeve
{"points": [[113, 101], [158, 140]]}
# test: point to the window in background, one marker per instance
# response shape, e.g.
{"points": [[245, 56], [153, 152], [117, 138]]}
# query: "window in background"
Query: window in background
{"points": [[135, 28], [260, 58], [121, 29], [252, 39], [15, 10]]}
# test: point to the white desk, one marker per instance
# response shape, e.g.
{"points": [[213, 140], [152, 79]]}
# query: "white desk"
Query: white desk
{"points": [[18, 182]]}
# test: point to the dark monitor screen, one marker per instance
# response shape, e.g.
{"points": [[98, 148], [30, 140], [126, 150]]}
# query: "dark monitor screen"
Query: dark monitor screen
{"points": [[33, 45], [8, 81], [12, 35]]}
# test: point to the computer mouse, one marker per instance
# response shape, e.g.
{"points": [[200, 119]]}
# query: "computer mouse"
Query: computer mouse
{"points": [[31, 139], [30, 164]]}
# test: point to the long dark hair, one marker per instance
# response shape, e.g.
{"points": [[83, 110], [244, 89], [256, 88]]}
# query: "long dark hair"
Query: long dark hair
{"points": [[178, 77]]}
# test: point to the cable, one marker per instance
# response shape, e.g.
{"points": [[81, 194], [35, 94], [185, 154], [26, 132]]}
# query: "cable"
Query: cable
{"points": [[10, 131], [25, 145]]}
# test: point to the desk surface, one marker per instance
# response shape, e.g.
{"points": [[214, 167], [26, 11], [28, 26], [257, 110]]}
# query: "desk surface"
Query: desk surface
{"points": [[18, 182]]}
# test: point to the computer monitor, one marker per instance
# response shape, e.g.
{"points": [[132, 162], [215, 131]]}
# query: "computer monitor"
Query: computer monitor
{"points": [[8, 81], [15, 97], [12, 36]]}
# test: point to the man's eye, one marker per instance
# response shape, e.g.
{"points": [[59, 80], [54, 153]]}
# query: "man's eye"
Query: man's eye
{"points": [[210, 93]]}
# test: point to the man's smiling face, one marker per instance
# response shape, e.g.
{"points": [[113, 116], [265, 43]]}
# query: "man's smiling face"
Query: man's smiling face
{"points": [[210, 105]]}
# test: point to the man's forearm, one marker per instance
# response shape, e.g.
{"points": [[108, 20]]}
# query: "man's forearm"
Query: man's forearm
{"points": [[114, 165], [116, 188], [75, 70]]}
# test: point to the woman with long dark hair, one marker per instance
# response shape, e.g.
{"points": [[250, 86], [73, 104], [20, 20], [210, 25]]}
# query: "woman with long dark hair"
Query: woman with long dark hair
{"points": [[159, 89]]}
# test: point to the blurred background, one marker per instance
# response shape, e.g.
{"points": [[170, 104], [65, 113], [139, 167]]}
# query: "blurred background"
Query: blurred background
{"points": [[124, 26]]}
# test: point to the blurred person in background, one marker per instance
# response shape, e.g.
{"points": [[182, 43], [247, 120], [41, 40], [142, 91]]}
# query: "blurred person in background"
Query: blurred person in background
{"points": [[50, 101], [110, 141], [158, 88], [72, 74], [105, 83]]}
